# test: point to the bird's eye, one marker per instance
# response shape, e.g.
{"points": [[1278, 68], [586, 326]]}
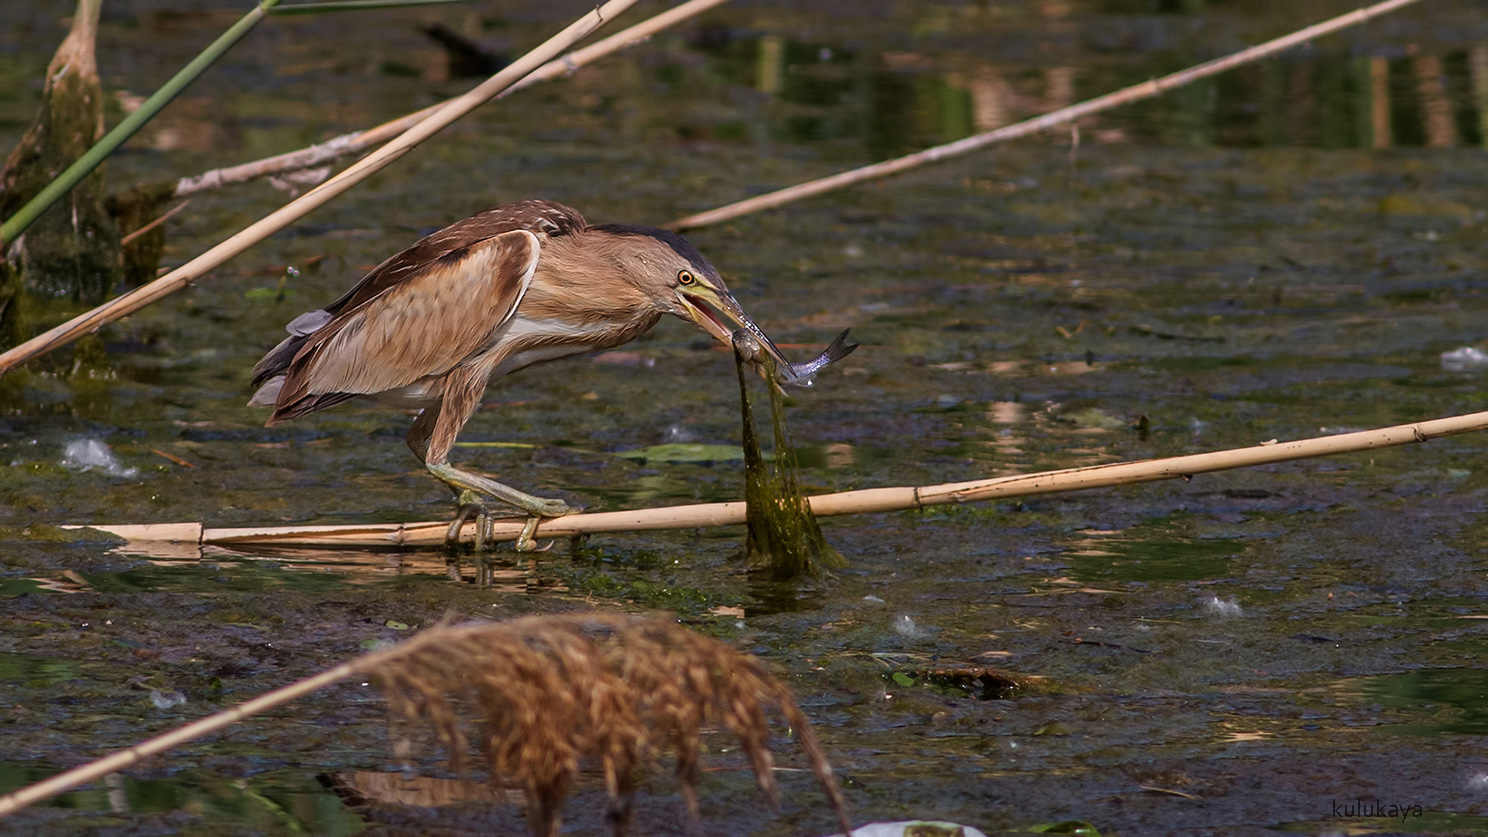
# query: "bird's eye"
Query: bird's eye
{"points": [[685, 277]]}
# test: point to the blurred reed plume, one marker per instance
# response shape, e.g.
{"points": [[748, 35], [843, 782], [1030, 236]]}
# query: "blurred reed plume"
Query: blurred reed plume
{"points": [[556, 692]]}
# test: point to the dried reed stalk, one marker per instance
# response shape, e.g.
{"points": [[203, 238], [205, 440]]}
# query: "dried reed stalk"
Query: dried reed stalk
{"points": [[557, 691], [553, 692], [359, 141], [296, 209], [865, 501], [1135, 93]]}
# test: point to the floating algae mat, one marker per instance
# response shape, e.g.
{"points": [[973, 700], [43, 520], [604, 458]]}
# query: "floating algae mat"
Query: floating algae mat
{"points": [[784, 538]]}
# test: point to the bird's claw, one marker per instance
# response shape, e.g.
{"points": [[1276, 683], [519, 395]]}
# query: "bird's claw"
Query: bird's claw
{"points": [[473, 503], [525, 543], [551, 508]]}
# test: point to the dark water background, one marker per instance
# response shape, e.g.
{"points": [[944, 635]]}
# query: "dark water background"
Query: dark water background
{"points": [[1284, 251]]}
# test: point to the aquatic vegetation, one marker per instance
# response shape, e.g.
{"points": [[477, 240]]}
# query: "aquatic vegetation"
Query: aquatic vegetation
{"points": [[784, 538], [554, 692]]}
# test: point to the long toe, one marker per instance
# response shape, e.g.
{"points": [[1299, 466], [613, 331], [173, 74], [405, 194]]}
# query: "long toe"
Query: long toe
{"points": [[552, 508], [462, 514], [525, 543]]}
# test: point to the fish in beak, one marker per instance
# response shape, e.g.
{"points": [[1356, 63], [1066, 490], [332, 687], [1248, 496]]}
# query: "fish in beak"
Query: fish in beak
{"points": [[716, 312]]}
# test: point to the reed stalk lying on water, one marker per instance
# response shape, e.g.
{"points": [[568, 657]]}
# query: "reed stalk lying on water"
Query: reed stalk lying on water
{"points": [[825, 505], [1135, 93], [325, 192], [553, 692]]}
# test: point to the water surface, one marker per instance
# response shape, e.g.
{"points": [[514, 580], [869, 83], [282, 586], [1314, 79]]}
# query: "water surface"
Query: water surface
{"points": [[1277, 253]]}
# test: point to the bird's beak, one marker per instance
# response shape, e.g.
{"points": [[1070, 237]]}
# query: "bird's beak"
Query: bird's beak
{"points": [[713, 311]]}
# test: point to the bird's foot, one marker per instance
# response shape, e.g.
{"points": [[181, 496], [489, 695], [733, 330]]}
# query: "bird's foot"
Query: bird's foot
{"points": [[471, 504], [475, 504], [525, 543], [476, 488], [545, 507]]}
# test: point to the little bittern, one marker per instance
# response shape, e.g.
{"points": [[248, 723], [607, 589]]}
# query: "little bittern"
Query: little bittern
{"points": [[516, 285]]}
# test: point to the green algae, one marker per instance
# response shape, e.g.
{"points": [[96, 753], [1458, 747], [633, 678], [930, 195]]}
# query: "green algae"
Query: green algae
{"points": [[72, 250], [784, 539]]}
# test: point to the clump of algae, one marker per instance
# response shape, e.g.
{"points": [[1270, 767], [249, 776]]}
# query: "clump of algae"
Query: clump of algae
{"points": [[784, 539]]}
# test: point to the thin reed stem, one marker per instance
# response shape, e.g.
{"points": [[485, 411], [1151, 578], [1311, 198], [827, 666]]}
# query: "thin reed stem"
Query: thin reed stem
{"points": [[1135, 93], [293, 211]]}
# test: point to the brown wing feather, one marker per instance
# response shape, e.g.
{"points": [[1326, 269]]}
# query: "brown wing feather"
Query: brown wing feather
{"points": [[436, 315], [543, 218]]}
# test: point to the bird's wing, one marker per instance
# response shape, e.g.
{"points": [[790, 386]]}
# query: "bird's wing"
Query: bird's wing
{"points": [[542, 218], [436, 315]]}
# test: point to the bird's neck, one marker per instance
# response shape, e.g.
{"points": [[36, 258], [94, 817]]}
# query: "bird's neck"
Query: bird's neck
{"points": [[586, 287]]}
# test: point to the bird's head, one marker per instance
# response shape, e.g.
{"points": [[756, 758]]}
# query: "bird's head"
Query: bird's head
{"points": [[678, 280]]}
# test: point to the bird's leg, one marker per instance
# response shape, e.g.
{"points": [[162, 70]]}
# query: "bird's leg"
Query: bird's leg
{"points": [[433, 435], [464, 481], [462, 513]]}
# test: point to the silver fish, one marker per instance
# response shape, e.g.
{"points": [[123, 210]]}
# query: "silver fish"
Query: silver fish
{"points": [[804, 374], [748, 347]]}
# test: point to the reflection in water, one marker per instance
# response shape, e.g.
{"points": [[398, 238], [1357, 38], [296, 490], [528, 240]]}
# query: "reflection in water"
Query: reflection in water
{"points": [[990, 98], [896, 101], [1009, 414], [186, 567], [1436, 109], [1478, 73], [1148, 553], [1439, 701], [838, 455], [771, 58], [1059, 88], [1379, 102]]}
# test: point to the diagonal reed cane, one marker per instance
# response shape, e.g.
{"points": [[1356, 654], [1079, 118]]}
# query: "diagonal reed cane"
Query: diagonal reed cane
{"points": [[1135, 93], [315, 198], [359, 141]]}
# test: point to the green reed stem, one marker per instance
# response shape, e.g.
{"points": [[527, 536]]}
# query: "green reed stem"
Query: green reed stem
{"points": [[121, 133]]}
